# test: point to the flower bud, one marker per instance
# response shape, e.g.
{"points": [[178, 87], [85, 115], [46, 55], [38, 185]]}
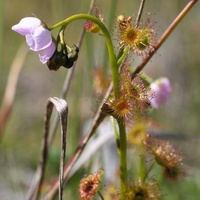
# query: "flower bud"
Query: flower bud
{"points": [[60, 58], [73, 53], [57, 60], [72, 56]]}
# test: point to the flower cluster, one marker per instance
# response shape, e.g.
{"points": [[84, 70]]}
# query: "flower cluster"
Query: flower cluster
{"points": [[140, 38], [38, 37]]}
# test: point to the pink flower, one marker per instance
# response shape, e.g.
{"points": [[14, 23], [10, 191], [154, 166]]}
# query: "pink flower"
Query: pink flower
{"points": [[38, 37], [160, 91]]}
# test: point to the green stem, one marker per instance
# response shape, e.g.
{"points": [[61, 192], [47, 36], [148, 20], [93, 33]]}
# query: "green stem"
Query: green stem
{"points": [[112, 13], [148, 171], [122, 157], [121, 57], [111, 52], [116, 134], [100, 195], [142, 167]]}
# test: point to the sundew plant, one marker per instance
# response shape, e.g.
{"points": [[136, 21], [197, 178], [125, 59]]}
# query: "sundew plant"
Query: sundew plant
{"points": [[119, 152]]}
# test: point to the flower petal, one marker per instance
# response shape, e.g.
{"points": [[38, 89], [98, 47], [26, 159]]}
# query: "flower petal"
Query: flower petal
{"points": [[47, 53], [26, 25], [40, 39], [161, 90]]}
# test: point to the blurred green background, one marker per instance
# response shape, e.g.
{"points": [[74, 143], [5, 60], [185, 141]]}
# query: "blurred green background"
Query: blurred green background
{"points": [[178, 59]]}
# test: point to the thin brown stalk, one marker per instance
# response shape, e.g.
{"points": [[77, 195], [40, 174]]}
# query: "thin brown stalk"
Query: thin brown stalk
{"points": [[43, 156], [11, 86], [140, 12], [165, 36]]}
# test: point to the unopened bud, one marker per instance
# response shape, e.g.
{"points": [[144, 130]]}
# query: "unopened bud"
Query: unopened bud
{"points": [[56, 61]]}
